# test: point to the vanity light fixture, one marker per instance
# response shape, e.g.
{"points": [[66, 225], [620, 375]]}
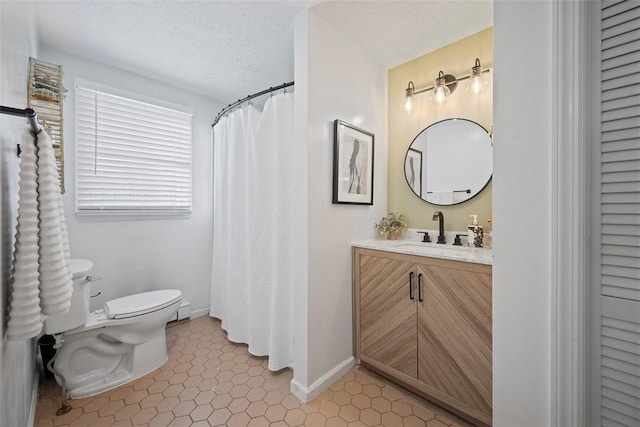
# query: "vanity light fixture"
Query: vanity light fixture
{"points": [[446, 84]]}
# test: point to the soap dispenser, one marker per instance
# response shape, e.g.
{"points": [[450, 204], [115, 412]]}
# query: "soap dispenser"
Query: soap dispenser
{"points": [[475, 233]]}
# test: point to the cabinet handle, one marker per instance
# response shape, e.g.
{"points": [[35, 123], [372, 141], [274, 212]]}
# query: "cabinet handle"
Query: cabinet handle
{"points": [[420, 287], [411, 285]]}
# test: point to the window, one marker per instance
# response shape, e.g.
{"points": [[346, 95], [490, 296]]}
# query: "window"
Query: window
{"points": [[131, 157]]}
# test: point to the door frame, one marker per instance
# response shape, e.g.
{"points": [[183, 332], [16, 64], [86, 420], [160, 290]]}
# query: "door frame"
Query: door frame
{"points": [[574, 236], [592, 398]]}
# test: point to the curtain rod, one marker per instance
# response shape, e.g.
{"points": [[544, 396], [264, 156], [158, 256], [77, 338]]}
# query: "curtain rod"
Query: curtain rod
{"points": [[248, 98], [28, 113]]}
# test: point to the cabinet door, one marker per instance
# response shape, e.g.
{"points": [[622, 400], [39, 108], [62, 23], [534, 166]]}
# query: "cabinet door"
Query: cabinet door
{"points": [[388, 329], [454, 335]]}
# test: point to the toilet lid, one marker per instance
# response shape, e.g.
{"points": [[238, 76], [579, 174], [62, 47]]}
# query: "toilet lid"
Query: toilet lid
{"points": [[139, 304]]}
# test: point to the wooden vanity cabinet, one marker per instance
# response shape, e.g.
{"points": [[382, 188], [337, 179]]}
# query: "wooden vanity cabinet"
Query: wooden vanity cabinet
{"points": [[426, 323], [388, 317]]}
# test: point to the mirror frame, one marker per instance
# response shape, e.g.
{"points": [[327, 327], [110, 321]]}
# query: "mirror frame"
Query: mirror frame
{"points": [[418, 135]]}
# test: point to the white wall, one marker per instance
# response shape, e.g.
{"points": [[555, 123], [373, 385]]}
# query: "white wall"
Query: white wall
{"points": [[522, 213], [335, 79], [17, 358], [145, 254]]}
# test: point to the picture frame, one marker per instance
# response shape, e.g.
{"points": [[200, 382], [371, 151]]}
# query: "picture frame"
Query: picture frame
{"points": [[413, 170], [353, 161]]}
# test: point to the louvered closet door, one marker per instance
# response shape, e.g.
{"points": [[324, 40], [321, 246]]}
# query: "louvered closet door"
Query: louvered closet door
{"points": [[620, 215], [388, 330]]}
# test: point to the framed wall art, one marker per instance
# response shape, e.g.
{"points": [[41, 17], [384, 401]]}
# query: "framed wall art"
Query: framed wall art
{"points": [[353, 150], [413, 170]]}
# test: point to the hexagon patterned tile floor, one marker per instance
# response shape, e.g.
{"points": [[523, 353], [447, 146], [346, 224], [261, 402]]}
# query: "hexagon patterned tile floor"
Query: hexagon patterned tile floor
{"points": [[209, 381]]}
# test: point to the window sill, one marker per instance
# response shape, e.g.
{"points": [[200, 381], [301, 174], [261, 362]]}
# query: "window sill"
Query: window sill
{"points": [[104, 216]]}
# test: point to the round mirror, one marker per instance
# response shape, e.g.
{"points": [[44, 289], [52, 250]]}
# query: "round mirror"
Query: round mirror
{"points": [[449, 162]]}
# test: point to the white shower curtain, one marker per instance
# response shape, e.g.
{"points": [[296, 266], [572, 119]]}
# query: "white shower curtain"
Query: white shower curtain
{"points": [[253, 258]]}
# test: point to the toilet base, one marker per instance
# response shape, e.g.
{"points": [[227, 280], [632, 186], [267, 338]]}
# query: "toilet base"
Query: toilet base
{"points": [[94, 362], [115, 380]]}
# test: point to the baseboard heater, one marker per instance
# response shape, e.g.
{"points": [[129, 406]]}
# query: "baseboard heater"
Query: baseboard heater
{"points": [[184, 311]]}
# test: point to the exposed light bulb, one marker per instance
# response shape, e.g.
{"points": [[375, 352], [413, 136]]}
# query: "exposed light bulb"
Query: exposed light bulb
{"points": [[408, 100], [408, 104], [477, 83], [475, 86], [440, 91], [440, 94]]}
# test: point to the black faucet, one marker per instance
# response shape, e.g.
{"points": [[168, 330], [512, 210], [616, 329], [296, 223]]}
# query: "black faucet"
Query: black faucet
{"points": [[437, 215]]}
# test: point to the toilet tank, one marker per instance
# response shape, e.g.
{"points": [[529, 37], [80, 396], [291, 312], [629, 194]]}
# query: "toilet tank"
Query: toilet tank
{"points": [[77, 315]]}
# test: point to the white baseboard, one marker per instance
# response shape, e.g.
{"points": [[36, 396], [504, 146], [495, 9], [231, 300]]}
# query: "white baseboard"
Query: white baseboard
{"points": [[199, 312], [34, 398], [306, 394]]}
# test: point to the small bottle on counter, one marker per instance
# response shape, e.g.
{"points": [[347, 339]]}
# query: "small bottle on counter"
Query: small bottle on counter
{"points": [[475, 233]]}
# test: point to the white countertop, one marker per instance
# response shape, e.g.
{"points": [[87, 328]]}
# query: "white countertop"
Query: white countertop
{"points": [[433, 250]]}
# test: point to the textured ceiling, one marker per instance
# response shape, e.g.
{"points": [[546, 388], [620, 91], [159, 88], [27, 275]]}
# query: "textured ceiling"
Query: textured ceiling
{"points": [[228, 49], [394, 32]]}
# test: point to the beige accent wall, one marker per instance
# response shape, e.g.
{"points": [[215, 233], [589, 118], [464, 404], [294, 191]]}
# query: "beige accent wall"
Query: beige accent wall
{"points": [[457, 59]]}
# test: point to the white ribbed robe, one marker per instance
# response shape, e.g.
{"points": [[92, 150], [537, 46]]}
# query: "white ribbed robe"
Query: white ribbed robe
{"points": [[41, 282]]}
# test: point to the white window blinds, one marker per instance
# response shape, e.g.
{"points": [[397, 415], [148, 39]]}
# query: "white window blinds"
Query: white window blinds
{"points": [[131, 157]]}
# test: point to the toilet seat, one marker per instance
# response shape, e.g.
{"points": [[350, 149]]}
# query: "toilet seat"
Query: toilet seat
{"points": [[142, 303]]}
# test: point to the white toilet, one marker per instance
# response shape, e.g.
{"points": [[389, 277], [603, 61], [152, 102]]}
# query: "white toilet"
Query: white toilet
{"points": [[107, 348]]}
